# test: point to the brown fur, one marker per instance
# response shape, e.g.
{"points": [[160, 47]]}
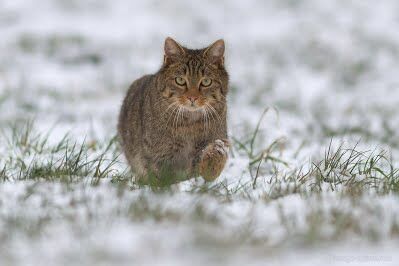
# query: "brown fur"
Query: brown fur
{"points": [[170, 129]]}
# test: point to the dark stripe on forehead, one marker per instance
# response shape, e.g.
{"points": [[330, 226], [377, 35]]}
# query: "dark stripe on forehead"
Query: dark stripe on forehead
{"points": [[194, 65]]}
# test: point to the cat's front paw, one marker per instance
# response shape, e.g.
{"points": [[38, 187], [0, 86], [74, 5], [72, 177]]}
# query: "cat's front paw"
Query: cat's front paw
{"points": [[213, 159]]}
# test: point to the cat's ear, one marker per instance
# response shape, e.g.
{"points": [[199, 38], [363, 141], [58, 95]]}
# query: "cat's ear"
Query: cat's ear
{"points": [[215, 52], [172, 50]]}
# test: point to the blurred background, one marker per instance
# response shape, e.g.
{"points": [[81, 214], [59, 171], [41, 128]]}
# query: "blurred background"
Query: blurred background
{"points": [[326, 70], [330, 68]]}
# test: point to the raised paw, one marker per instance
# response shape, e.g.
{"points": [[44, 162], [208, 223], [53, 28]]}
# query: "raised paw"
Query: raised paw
{"points": [[213, 159]]}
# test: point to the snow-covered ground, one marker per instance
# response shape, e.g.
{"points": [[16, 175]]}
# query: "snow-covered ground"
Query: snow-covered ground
{"points": [[326, 70]]}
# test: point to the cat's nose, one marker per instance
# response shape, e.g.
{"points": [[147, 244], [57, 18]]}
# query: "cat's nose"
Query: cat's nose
{"points": [[192, 98]]}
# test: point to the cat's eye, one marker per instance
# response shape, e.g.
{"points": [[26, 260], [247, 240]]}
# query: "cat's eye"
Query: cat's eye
{"points": [[180, 81], [206, 82]]}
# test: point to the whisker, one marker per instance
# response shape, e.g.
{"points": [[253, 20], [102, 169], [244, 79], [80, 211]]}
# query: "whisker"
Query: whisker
{"points": [[209, 119], [207, 125], [211, 114], [178, 117], [175, 120], [160, 101], [204, 118], [182, 115], [171, 115], [170, 105], [213, 110], [217, 114]]}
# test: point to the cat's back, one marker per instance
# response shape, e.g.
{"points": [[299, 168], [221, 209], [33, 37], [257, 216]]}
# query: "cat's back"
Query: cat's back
{"points": [[134, 99], [137, 89]]}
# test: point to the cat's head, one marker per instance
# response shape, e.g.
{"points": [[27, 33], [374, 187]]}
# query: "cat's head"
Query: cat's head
{"points": [[194, 79]]}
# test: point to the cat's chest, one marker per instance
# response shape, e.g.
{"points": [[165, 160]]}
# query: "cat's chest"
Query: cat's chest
{"points": [[185, 148], [186, 141]]}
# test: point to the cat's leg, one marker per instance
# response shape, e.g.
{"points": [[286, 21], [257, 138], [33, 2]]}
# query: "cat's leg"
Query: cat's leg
{"points": [[140, 169], [213, 158], [162, 170]]}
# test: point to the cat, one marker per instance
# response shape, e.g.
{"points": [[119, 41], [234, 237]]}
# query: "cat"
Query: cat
{"points": [[172, 124]]}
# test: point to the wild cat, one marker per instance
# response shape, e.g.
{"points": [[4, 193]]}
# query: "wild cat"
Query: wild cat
{"points": [[172, 124]]}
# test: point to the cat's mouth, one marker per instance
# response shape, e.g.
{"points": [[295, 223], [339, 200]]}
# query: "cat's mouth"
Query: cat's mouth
{"points": [[192, 107]]}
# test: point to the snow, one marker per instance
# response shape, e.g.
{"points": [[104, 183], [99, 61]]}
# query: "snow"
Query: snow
{"points": [[326, 70], [110, 228]]}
